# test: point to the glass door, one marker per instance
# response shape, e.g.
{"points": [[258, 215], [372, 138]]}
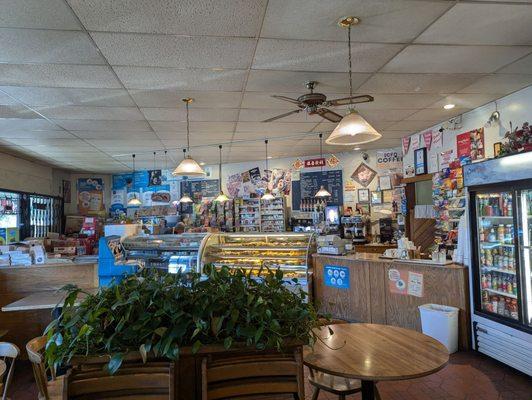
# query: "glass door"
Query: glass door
{"points": [[525, 254], [496, 251]]}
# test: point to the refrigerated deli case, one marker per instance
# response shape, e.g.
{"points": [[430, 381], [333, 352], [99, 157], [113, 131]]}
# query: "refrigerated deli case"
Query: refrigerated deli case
{"points": [[500, 211], [169, 252], [291, 252]]}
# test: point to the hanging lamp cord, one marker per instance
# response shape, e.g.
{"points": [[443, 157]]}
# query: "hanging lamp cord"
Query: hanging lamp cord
{"points": [[266, 143], [188, 129], [220, 169], [350, 61], [321, 150]]}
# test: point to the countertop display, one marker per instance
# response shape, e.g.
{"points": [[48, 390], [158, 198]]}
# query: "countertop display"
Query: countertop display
{"points": [[291, 252], [365, 288]]}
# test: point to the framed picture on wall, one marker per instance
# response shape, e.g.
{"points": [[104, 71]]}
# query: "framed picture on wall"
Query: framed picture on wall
{"points": [[363, 209], [385, 182], [420, 161], [363, 196], [376, 197], [387, 196], [497, 148]]}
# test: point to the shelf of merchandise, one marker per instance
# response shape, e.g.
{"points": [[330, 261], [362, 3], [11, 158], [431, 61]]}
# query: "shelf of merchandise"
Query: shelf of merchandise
{"points": [[248, 215], [495, 269], [497, 292], [273, 215]]}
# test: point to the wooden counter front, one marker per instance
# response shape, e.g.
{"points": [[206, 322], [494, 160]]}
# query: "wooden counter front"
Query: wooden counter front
{"points": [[19, 282], [370, 299]]}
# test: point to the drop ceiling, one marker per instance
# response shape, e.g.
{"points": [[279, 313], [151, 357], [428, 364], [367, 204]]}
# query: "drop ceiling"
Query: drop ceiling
{"points": [[84, 83]]}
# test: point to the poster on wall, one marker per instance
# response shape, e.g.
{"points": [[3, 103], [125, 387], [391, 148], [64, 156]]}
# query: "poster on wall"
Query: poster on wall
{"points": [[90, 196], [437, 139], [406, 145], [470, 145], [445, 158], [363, 174], [155, 177], [389, 159], [414, 142], [280, 181], [153, 187], [427, 139]]}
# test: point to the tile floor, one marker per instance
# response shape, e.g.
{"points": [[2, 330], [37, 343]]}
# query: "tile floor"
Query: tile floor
{"points": [[469, 376]]}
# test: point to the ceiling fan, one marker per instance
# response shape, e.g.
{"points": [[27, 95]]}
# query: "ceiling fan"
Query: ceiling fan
{"points": [[316, 103]]}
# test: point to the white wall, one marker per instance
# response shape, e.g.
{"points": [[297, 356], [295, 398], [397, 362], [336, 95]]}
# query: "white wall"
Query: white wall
{"points": [[26, 176], [515, 108]]}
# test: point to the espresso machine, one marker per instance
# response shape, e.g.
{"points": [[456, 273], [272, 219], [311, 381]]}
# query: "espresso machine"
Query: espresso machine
{"points": [[354, 228]]}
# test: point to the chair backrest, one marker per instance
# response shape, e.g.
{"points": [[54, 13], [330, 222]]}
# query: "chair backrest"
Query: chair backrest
{"points": [[134, 380], [253, 375], [35, 349], [8, 353]]}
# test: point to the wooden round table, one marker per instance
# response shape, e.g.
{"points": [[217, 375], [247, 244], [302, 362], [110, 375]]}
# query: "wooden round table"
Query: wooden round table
{"points": [[373, 353]]}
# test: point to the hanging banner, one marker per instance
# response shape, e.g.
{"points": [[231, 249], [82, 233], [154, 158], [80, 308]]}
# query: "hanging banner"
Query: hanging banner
{"points": [[406, 144], [463, 145], [414, 142], [315, 162], [437, 139], [333, 161], [427, 139], [90, 196], [389, 159]]}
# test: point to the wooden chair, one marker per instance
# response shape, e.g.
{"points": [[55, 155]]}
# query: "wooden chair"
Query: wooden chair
{"points": [[134, 380], [253, 375], [49, 386], [8, 354]]}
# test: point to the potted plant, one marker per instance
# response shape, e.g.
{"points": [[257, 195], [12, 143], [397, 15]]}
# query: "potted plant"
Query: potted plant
{"points": [[177, 316]]}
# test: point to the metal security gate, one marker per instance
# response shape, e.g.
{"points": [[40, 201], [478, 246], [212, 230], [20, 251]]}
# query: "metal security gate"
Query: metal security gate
{"points": [[45, 215]]}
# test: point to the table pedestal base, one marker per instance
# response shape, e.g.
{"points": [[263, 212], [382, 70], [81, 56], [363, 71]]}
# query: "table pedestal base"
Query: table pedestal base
{"points": [[369, 391]]}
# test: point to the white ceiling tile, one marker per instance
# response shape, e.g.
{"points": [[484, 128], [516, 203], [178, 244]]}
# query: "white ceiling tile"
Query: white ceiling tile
{"points": [[399, 101], [522, 66], [22, 134], [173, 99], [412, 126], [265, 100], [16, 111], [275, 127], [258, 115], [49, 14], [92, 125], [204, 127], [396, 21], [386, 115], [197, 139], [196, 114], [465, 100], [7, 100], [308, 55], [439, 114], [115, 135], [58, 75], [91, 113], [38, 96], [294, 81], [14, 124], [499, 84], [179, 79], [417, 83], [466, 23], [454, 59], [47, 46], [175, 51], [188, 17]]}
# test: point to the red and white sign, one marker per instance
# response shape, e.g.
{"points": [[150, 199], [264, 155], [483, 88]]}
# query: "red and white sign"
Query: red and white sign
{"points": [[427, 138], [315, 162]]}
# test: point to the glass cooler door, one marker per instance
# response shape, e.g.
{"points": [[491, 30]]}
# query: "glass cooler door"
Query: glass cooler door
{"points": [[524, 223], [496, 251]]}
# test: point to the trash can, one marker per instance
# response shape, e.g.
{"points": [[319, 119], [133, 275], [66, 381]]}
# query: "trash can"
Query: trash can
{"points": [[441, 323]]}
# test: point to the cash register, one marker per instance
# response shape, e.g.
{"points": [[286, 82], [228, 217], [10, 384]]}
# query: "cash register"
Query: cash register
{"points": [[331, 244]]}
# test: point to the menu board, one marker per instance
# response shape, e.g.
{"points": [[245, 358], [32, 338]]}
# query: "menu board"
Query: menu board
{"points": [[200, 189], [310, 183]]}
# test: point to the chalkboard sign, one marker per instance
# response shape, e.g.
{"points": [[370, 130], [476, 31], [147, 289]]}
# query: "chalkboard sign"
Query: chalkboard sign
{"points": [[197, 190], [310, 183]]}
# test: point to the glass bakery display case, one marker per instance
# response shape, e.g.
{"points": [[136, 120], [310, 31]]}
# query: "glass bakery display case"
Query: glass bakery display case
{"points": [[170, 252], [291, 252]]}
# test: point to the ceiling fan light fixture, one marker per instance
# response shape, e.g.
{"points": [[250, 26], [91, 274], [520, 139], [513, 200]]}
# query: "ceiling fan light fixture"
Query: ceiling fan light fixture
{"points": [[353, 129]]}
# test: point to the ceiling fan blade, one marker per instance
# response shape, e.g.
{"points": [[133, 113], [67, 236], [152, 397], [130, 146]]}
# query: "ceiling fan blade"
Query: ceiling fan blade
{"points": [[350, 100], [328, 114], [282, 115], [286, 99]]}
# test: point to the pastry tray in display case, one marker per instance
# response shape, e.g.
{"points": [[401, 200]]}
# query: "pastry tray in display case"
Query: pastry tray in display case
{"points": [[166, 251], [291, 252]]}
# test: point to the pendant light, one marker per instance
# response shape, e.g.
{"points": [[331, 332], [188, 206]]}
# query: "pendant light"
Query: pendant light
{"points": [[267, 194], [185, 198], [134, 201], [322, 192], [353, 128], [222, 198], [189, 166]]}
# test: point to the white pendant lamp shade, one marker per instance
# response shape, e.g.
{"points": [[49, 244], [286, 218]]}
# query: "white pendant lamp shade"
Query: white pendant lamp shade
{"points": [[134, 201], [267, 195], [353, 129], [185, 198], [188, 167], [222, 197], [322, 192]]}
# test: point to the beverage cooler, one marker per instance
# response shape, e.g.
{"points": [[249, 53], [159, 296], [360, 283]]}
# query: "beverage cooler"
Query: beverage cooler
{"points": [[500, 210]]}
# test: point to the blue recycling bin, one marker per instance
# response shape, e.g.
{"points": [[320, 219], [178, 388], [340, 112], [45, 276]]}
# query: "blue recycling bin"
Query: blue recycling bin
{"points": [[111, 267]]}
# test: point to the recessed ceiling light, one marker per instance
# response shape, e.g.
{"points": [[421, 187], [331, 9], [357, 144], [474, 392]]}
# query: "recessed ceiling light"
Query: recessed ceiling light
{"points": [[270, 157], [448, 106], [202, 163], [356, 148]]}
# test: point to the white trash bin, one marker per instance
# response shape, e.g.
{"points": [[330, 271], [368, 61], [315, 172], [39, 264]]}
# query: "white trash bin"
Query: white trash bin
{"points": [[441, 323]]}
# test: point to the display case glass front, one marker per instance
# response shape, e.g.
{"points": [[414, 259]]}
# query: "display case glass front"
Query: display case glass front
{"points": [[288, 251]]}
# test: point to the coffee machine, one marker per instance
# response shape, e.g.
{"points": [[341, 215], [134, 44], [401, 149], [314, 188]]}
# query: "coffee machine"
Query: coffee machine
{"points": [[354, 228]]}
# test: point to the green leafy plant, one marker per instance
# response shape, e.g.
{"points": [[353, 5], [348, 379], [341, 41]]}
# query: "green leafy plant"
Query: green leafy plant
{"points": [[158, 314]]}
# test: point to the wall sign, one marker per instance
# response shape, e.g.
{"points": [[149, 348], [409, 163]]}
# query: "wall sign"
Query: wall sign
{"points": [[389, 159], [336, 276], [310, 182], [315, 162], [90, 196], [363, 174], [405, 282], [420, 161]]}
